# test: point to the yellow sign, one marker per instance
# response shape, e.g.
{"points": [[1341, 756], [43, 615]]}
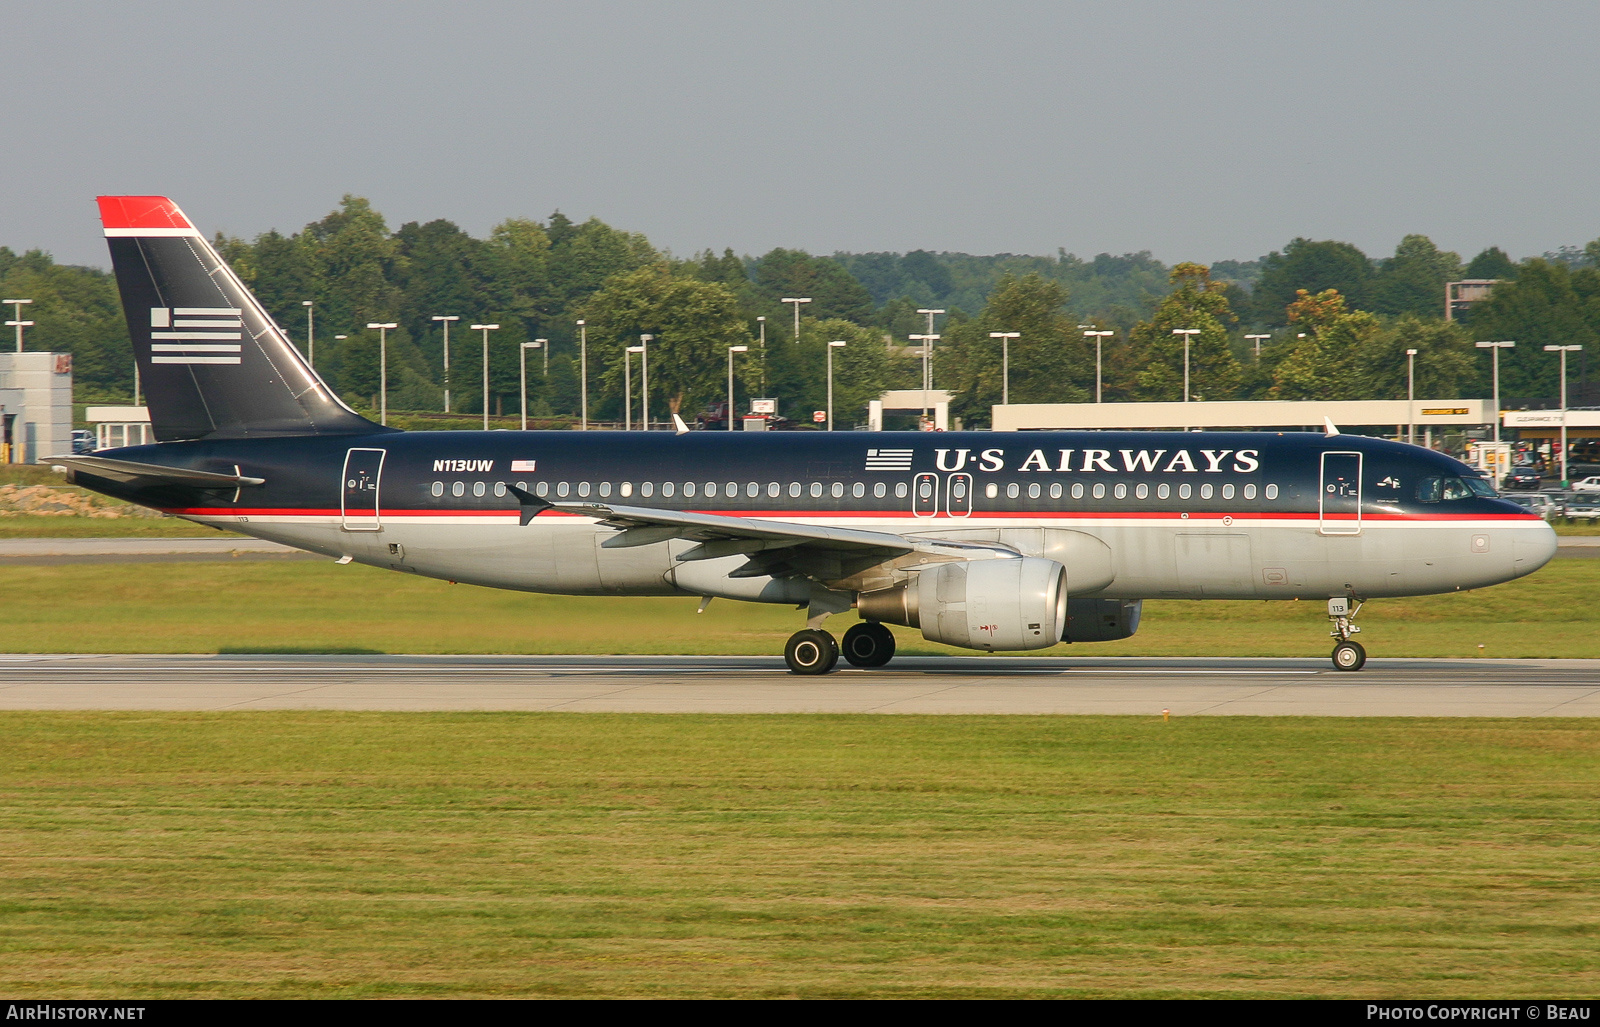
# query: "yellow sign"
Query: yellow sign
{"points": [[1444, 411]]}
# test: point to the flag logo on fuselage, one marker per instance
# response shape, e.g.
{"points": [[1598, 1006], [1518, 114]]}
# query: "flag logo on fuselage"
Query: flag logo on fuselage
{"points": [[195, 335], [889, 459]]}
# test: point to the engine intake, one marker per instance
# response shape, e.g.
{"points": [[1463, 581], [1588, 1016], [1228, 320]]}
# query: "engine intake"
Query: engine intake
{"points": [[1006, 604]]}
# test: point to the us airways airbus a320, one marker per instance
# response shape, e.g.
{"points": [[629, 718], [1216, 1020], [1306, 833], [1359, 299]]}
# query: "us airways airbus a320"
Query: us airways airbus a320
{"points": [[987, 541]]}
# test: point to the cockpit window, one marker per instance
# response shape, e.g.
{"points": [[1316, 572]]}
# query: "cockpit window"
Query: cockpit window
{"points": [[1432, 490]]}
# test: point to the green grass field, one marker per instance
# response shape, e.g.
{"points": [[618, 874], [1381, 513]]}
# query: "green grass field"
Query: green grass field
{"points": [[501, 855], [304, 606]]}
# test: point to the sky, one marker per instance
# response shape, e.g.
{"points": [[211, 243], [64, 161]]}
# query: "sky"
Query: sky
{"points": [[1195, 130]]}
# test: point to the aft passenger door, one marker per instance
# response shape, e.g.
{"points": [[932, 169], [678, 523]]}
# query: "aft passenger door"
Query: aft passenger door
{"points": [[1339, 502], [359, 487]]}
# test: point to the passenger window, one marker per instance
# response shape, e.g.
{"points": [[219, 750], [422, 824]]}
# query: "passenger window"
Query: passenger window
{"points": [[1033, 490], [711, 489], [438, 488], [1184, 491], [1227, 492], [901, 490], [522, 485], [878, 490], [648, 488], [1055, 490], [688, 489], [499, 489], [1272, 492], [605, 488], [773, 489], [1205, 491], [1077, 490], [478, 489], [1163, 490], [751, 489], [858, 490], [583, 488], [816, 490], [1142, 491], [1011, 490], [626, 490], [732, 491], [1099, 490], [542, 489], [458, 488], [1249, 492], [1428, 490], [561, 489], [991, 490], [794, 490], [838, 490], [1121, 491]]}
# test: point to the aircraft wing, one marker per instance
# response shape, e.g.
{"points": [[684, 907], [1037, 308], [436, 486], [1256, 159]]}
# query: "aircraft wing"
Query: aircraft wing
{"points": [[134, 473], [777, 548]]}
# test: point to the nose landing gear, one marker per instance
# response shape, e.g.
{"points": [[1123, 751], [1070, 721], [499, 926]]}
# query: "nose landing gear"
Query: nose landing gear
{"points": [[1348, 654]]}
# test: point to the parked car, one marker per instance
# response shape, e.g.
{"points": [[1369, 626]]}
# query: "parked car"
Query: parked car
{"points": [[1589, 484], [1583, 508], [1521, 477], [82, 441], [1539, 503]]}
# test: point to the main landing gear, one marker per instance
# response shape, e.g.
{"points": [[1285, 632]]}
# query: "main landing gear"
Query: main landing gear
{"points": [[814, 651], [1348, 654]]}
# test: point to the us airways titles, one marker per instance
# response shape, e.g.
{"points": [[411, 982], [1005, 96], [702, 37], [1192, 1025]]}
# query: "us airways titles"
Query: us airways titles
{"points": [[1149, 461]]}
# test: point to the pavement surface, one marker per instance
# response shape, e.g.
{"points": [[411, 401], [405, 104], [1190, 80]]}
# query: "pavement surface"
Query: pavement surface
{"points": [[734, 684]]}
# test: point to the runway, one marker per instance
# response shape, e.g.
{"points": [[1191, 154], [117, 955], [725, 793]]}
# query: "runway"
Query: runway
{"points": [[737, 684]]}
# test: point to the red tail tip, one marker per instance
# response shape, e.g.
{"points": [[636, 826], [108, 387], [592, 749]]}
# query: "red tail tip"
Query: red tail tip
{"points": [[141, 212]]}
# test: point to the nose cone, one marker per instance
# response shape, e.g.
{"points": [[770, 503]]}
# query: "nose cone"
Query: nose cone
{"points": [[1532, 546]]}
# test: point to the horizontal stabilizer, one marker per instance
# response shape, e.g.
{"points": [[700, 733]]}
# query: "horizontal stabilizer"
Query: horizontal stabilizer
{"points": [[129, 472]]}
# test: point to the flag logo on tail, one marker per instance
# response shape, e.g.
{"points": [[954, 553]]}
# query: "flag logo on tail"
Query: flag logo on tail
{"points": [[195, 335]]}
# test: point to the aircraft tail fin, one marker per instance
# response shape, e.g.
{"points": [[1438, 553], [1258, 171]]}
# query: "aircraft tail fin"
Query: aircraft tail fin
{"points": [[212, 361]]}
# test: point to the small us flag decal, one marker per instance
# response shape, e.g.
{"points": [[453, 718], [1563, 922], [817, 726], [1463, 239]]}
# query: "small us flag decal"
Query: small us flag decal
{"points": [[888, 459]]}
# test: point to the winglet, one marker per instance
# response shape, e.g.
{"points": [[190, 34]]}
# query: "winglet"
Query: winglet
{"points": [[679, 428], [1327, 427]]}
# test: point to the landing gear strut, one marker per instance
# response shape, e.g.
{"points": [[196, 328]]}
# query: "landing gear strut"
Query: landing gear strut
{"points": [[1348, 654], [869, 644], [811, 651]]}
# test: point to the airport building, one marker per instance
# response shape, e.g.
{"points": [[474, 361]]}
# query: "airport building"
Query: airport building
{"points": [[35, 406]]}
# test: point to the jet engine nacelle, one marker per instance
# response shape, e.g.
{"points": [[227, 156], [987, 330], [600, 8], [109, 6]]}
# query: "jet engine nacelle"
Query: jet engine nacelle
{"points": [[1008, 604], [1101, 620]]}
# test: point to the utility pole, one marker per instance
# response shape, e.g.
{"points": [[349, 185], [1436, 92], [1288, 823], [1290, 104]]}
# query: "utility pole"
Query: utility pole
{"points": [[446, 321], [1187, 334], [1005, 363], [1494, 349], [383, 367], [1099, 337], [1564, 350], [485, 329], [796, 300]]}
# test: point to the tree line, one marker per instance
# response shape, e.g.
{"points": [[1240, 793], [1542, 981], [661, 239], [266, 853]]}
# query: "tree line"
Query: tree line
{"points": [[1337, 322]]}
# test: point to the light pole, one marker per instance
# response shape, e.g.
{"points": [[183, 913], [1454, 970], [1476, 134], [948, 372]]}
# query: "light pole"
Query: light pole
{"points": [[522, 371], [1494, 349], [1411, 396], [445, 321], [383, 367], [1187, 334], [17, 322], [1005, 363], [1257, 340], [544, 344], [761, 323], [627, 385], [927, 375], [583, 374], [1099, 337], [796, 300], [485, 329], [644, 381], [1563, 350], [836, 344], [731, 351], [311, 335]]}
